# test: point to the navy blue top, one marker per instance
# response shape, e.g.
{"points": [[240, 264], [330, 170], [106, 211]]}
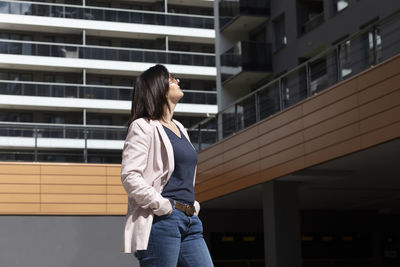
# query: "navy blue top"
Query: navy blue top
{"points": [[180, 184]]}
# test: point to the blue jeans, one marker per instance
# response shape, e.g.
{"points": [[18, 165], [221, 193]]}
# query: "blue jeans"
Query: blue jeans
{"points": [[175, 240]]}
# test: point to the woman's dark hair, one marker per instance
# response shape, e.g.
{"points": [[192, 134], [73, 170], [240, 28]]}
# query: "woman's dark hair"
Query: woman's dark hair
{"points": [[149, 94]]}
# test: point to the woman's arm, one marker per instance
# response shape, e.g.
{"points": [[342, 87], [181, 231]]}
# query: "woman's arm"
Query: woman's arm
{"points": [[134, 162]]}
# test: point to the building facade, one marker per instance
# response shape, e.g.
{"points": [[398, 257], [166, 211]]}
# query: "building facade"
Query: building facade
{"points": [[68, 68]]}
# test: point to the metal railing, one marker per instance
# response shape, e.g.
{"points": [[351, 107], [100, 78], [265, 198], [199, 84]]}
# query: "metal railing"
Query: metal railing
{"points": [[47, 49], [36, 131], [63, 131], [105, 14], [372, 45], [106, 92]]}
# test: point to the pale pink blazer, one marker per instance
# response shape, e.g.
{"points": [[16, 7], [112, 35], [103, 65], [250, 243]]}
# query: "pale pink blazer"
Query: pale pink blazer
{"points": [[147, 164]]}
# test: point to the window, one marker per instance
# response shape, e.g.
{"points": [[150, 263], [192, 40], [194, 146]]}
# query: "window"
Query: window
{"points": [[279, 32], [310, 14], [339, 5]]}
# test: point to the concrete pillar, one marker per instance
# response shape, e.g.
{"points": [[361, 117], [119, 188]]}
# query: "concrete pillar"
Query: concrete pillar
{"points": [[281, 224]]}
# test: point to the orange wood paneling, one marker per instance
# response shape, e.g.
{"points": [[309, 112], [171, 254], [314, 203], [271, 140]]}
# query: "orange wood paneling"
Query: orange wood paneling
{"points": [[80, 208], [73, 189], [19, 208], [116, 209], [19, 188], [61, 188], [19, 198], [71, 198], [73, 180], [19, 179]]}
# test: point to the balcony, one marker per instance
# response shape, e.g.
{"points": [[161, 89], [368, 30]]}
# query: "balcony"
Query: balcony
{"points": [[48, 142], [312, 23], [242, 15], [105, 14], [245, 61], [356, 56], [99, 92], [105, 53]]}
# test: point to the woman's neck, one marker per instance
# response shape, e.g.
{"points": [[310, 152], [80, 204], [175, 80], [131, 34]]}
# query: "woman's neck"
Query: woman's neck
{"points": [[167, 117]]}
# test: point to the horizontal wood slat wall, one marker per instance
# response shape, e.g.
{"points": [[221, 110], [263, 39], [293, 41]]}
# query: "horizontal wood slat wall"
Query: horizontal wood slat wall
{"points": [[350, 116], [61, 189], [357, 113]]}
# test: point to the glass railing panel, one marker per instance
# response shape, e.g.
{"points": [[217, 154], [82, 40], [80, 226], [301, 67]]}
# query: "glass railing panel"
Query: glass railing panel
{"points": [[209, 98], [68, 91], [332, 71], [13, 155], [93, 92], [105, 134], [105, 14], [16, 131], [208, 132], [228, 118], [63, 131], [269, 100], [62, 155], [246, 112], [318, 74], [387, 39], [294, 87], [71, 51], [354, 56]]}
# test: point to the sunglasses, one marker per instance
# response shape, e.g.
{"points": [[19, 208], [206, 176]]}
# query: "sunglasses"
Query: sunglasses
{"points": [[174, 79]]}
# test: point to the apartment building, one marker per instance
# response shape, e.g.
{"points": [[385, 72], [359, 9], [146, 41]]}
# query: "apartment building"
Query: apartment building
{"points": [[67, 71], [299, 167]]}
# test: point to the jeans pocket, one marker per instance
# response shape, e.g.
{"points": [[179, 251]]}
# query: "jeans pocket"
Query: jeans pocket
{"points": [[163, 217]]}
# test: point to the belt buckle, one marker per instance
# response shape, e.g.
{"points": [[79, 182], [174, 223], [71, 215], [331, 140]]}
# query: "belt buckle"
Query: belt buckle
{"points": [[189, 210]]}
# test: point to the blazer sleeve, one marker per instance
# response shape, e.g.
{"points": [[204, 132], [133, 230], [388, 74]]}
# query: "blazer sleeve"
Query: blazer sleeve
{"points": [[134, 162]]}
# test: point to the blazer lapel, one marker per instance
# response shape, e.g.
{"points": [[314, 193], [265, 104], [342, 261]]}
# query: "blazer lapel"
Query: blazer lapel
{"points": [[168, 147]]}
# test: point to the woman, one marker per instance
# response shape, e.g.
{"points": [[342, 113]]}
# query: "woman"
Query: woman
{"points": [[158, 173]]}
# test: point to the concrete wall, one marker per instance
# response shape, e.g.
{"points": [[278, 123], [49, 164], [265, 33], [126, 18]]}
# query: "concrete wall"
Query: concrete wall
{"points": [[63, 241]]}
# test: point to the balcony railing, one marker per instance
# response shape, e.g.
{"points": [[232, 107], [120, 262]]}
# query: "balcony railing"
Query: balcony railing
{"points": [[105, 14], [230, 9], [46, 49], [92, 91], [31, 150], [246, 56], [376, 43]]}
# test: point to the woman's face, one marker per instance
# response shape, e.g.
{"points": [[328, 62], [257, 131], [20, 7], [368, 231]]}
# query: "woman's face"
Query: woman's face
{"points": [[174, 93]]}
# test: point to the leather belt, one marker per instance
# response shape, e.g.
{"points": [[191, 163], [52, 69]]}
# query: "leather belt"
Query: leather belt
{"points": [[186, 208]]}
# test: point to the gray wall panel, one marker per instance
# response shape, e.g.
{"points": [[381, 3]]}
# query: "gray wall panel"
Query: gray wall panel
{"points": [[63, 241]]}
